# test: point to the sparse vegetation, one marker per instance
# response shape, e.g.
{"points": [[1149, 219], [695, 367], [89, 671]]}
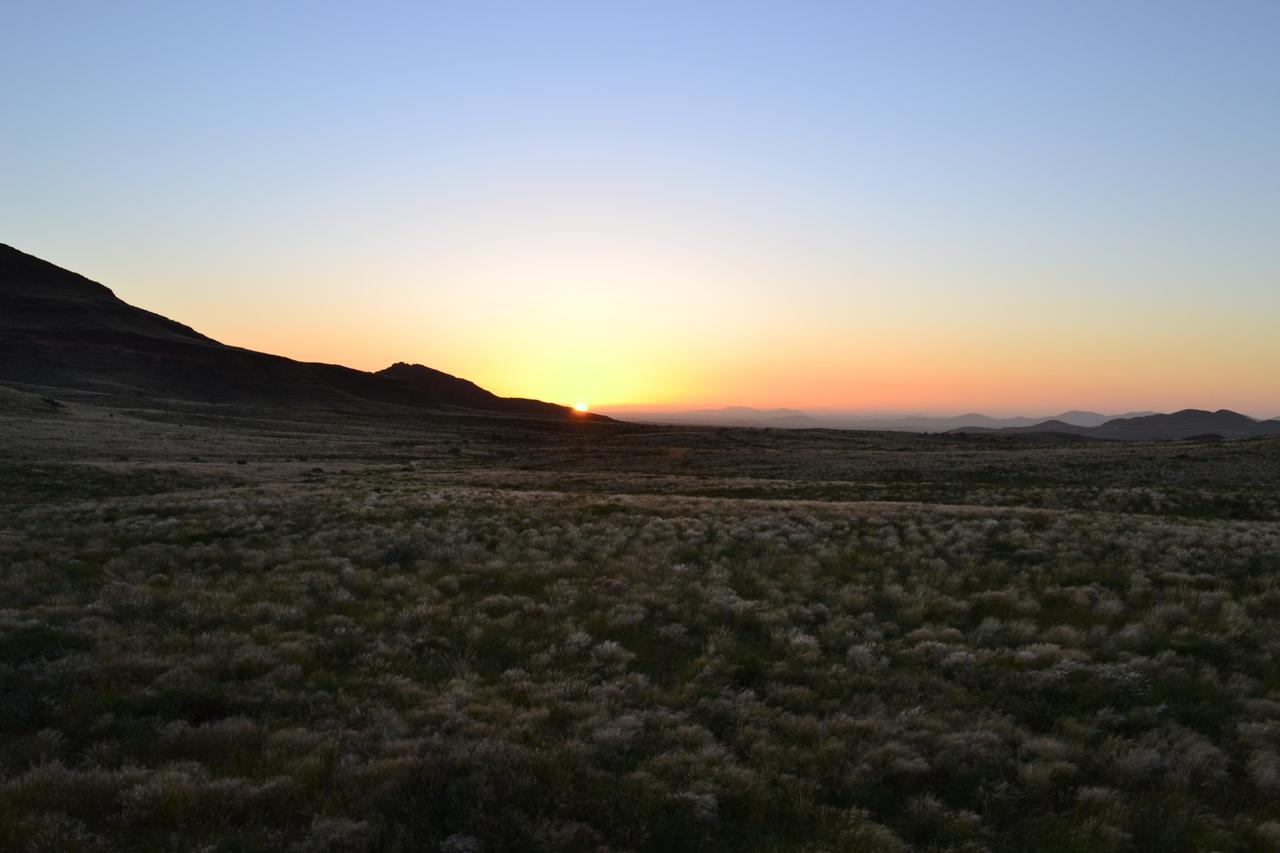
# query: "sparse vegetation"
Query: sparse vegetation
{"points": [[468, 634]]}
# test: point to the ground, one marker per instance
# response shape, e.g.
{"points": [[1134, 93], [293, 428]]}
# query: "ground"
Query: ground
{"points": [[238, 629]]}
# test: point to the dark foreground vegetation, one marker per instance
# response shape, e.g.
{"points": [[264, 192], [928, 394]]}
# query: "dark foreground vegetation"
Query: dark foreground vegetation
{"points": [[228, 629]]}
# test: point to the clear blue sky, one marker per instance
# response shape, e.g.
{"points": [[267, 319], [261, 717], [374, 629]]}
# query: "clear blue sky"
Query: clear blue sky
{"points": [[1016, 206]]}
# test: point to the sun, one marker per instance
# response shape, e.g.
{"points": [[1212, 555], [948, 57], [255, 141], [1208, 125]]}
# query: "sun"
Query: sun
{"points": [[581, 408]]}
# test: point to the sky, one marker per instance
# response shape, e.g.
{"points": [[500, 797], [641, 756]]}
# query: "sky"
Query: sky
{"points": [[883, 207]]}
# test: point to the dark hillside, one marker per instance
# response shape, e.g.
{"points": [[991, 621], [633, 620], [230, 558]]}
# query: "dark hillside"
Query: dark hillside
{"points": [[58, 328]]}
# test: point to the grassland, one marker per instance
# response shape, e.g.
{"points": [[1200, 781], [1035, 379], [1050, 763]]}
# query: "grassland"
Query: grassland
{"points": [[239, 630]]}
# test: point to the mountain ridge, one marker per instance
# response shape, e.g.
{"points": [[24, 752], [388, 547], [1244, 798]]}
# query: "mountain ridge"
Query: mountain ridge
{"points": [[59, 328], [1180, 425], [970, 421]]}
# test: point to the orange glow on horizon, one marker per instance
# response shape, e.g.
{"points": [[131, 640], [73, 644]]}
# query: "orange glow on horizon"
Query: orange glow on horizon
{"points": [[660, 325], [895, 371]]}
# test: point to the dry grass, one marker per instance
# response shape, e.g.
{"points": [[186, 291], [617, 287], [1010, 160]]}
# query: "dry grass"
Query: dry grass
{"points": [[222, 630]]}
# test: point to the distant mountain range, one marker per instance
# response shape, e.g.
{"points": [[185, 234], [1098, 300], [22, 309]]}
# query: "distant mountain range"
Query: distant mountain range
{"points": [[1188, 423], [1131, 426], [794, 418], [727, 416], [60, 329]]}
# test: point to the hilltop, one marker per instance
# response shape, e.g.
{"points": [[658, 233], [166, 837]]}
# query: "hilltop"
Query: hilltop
{"points": [[60, 329]]}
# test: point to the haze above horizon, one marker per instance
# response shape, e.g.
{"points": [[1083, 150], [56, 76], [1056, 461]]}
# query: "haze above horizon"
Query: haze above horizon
{"points": [[908, 207]]}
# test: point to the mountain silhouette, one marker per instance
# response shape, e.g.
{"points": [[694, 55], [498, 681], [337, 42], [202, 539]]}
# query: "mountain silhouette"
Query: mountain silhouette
{"points": [[794, 419], [60, 329], [1188, 423], [736, 416], [462, 392]]}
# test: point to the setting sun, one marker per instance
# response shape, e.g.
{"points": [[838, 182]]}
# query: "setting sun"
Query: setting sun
{"points": [[930, 475]]}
